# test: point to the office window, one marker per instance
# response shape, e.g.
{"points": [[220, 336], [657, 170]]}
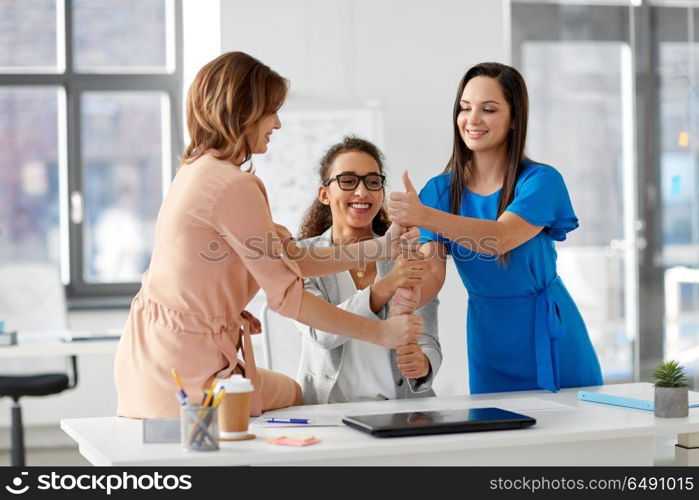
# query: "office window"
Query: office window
{"points": [[90, 127], [29, 214], [28, 35], [102, 44], [122, 158]]}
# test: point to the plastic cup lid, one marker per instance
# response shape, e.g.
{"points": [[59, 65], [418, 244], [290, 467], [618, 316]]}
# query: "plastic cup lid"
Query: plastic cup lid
{"points": [[234, 384]]}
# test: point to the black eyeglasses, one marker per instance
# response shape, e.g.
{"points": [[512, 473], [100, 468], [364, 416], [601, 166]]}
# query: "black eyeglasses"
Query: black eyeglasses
{"points": [[349, 182]]}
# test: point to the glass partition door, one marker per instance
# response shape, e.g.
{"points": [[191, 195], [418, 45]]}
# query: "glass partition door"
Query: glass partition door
{"points": [[578, 66], [614, 89], [678, 70]]}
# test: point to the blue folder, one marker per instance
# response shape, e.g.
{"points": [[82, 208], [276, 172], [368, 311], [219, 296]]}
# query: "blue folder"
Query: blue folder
{"points": [[610, 399]]}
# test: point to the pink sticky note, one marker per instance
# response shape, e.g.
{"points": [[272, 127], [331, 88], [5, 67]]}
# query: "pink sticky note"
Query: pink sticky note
{"points": [[288, 441]]}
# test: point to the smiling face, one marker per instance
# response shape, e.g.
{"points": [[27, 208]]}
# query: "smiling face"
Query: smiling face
{"points": [[263, 132], [357, 208], [484, 120]]}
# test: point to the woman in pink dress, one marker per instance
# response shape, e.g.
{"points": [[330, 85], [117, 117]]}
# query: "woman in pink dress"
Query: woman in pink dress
{"points": [[216, 245]]}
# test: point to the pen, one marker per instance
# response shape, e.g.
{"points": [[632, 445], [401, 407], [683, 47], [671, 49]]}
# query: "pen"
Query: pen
{"points": [[184, 400], [204, 397], [178, 380], [287, 420], [208, 398]]}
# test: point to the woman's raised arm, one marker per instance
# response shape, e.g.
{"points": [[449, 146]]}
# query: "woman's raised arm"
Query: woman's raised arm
{"points": [[323, 261]]}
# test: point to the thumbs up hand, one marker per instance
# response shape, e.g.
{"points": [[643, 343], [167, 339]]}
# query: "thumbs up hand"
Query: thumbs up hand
{"points": [[408, 185], [406, 208]]}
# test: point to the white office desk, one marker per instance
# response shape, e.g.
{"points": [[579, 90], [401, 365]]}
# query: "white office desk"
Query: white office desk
{"points": [[50, 345], [584, 434]]}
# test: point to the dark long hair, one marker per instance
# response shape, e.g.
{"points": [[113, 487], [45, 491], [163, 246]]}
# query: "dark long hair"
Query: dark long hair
{"points": [[318, 217], [460, 164]]}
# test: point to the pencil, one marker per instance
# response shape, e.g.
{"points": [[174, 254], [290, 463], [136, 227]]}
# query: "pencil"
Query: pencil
{"points": [[218, 398], [210, 394], [178, 380]]}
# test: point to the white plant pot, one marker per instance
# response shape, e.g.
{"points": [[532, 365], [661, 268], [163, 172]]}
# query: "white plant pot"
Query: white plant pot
{"points": [[671, 402]]}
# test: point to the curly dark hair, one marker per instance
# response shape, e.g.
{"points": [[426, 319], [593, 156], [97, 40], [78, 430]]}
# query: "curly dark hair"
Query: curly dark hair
{"points": [[318, 217]]}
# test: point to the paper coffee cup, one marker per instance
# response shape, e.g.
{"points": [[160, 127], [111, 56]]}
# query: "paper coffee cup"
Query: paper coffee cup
{"points": [[234, 408]]}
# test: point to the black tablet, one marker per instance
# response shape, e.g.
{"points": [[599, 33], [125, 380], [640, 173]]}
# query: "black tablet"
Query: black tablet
{"points": [[419, 423]]}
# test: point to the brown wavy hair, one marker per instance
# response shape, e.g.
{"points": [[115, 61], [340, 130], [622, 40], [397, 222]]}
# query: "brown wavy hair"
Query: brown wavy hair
{"points": [[318, 217], [228, 97]]}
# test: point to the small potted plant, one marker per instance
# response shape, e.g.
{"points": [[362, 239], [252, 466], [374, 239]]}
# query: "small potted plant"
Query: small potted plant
{"points": [[671, 392]]}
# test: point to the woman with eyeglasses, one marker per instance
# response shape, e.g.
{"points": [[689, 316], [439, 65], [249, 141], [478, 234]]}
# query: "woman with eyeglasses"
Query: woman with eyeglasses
{"points": [[498, 214], [216, 246], [349, 208]]}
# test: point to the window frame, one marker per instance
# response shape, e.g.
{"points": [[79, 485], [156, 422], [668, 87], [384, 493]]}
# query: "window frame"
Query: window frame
{"points": [[82, 294]]}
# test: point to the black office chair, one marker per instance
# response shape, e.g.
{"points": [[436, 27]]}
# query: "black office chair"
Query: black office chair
{"points": [[17, 386]]}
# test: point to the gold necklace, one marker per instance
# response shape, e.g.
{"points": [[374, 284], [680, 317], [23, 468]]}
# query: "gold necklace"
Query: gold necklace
{"points": [[361, 274]]}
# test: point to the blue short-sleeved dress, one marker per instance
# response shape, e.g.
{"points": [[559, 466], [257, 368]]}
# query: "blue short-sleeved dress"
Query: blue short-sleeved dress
{"points": [[524, 330]]}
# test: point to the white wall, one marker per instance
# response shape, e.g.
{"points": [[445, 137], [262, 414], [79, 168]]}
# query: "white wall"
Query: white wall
{"points": [[202, 41], [408, 55]]}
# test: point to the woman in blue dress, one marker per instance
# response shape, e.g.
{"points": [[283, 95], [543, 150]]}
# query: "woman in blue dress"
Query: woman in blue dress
{"points": [[498, 214]]}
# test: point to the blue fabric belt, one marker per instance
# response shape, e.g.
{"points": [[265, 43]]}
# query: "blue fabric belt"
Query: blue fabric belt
{"points": [[548, 330]]}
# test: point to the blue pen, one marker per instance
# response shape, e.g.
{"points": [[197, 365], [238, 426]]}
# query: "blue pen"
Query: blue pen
{"points": [[182, 398], [287, 420]]}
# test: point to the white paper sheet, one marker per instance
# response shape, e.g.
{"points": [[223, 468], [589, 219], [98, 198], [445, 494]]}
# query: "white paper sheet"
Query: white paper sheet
{"points": [[331, 417]]}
